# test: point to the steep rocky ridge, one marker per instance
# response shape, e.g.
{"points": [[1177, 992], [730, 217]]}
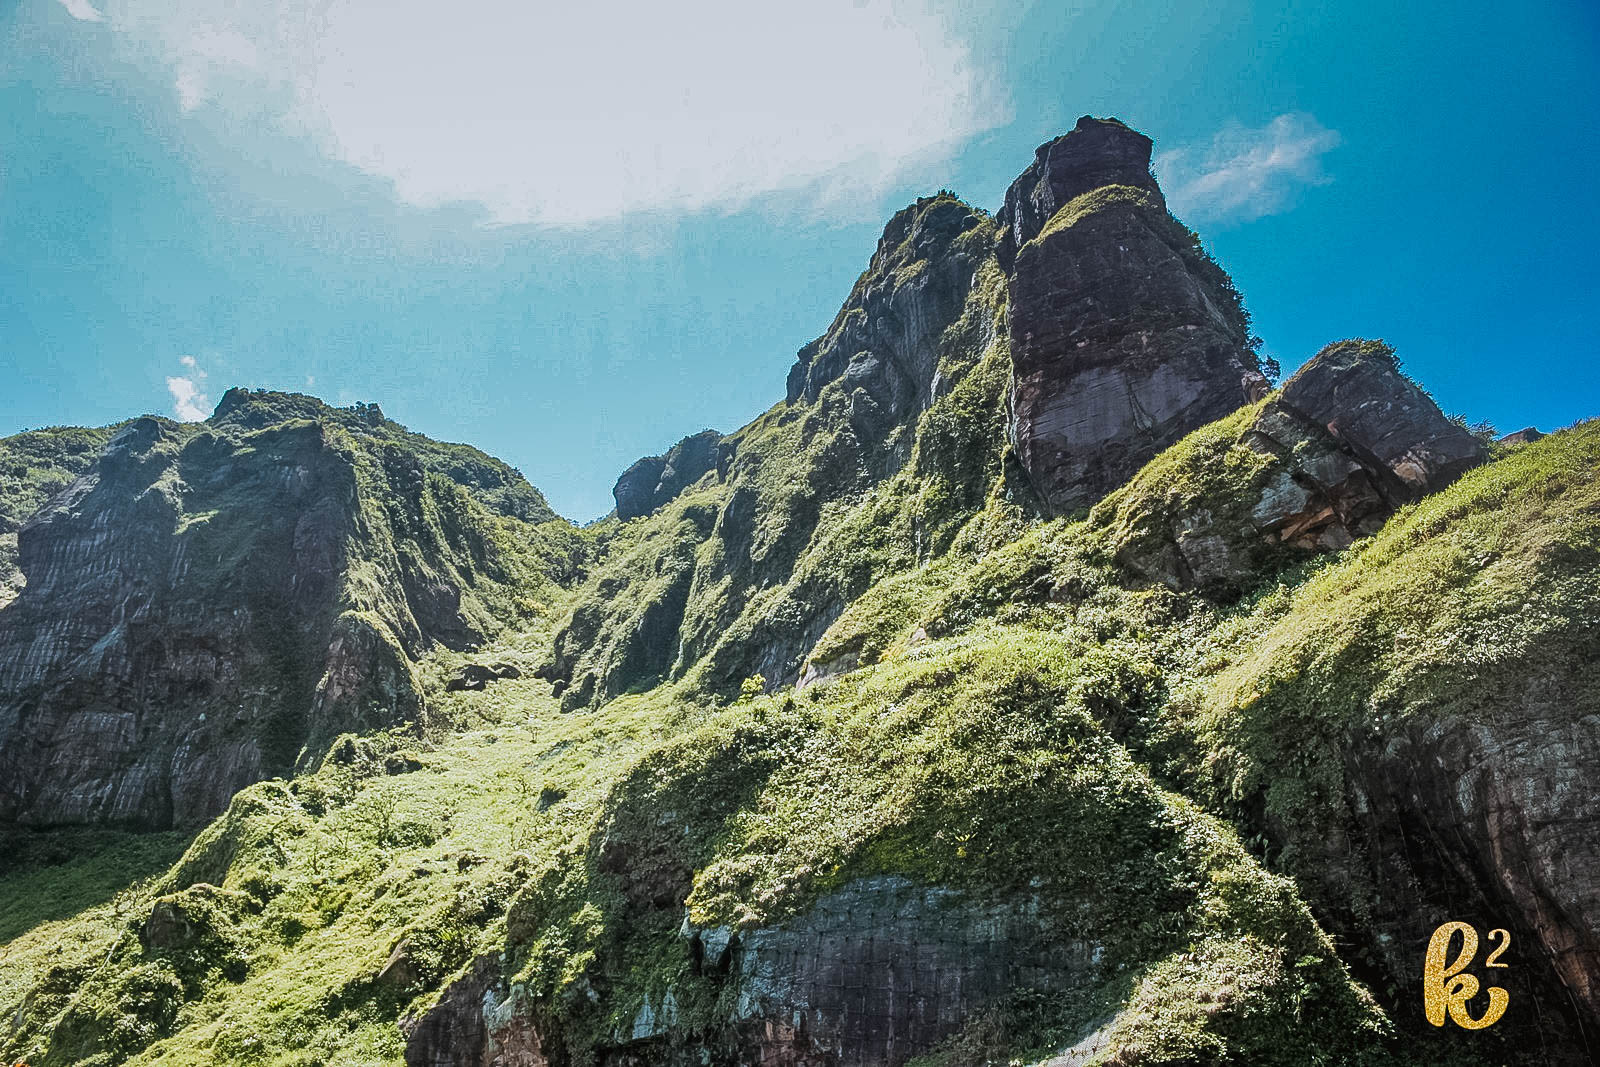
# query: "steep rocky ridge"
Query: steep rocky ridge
{"points": [[824, 493], [1414, 727], [207, 605], [1112, 333]]}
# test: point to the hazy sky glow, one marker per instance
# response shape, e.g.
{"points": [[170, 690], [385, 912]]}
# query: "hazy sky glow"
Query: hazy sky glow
{"points": [[566, 114], [572, 233]]}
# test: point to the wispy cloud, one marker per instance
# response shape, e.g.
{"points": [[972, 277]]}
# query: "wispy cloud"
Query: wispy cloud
{"points": [[567, 114], [189, 400], [1246, 173], [83, 10]]}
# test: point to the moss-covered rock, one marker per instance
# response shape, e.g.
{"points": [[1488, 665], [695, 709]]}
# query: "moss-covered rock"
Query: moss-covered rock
{"points": [[210, 604]]}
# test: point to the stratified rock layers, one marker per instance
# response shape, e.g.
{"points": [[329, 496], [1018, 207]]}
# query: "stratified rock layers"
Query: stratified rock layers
{"points": [[206, 605], [1327, 460], [146, 664]]}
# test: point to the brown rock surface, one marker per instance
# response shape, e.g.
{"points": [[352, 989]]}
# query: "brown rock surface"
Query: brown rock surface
{"points": [[1354, 389], [1125, 335]]}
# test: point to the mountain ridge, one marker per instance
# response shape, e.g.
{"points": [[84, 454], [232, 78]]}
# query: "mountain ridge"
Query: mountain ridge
{"points": [[831, 745]]}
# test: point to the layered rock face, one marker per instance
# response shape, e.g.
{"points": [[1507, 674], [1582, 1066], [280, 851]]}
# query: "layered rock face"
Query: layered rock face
{"points": [[1354, 390], [1489, 821], [883, 347], [144, 666], [35, 466], [876, 973], [206, 605], [1344, 444], [1124, 334]]}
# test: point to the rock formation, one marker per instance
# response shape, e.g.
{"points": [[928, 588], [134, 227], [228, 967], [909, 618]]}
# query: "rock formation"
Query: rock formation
{"points": [[654, 480], [883, 347], [207, 604], [1124, 334], [1346, 442], [752, 603], [35, 466], [1055, 791]]}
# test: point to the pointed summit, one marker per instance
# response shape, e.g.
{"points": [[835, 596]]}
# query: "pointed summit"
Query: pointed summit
{"points": [[1095, 153]]}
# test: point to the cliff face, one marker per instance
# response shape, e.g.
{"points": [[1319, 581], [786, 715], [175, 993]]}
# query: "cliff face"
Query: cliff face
{"points": [[1124, 334], [655, 480], [206, 606], [1323, 462], [35, 466]]}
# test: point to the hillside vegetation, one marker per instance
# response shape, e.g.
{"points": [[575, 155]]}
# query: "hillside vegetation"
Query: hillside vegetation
{"points": [[861, 740]]}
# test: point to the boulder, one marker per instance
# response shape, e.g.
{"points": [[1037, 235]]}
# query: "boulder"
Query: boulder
{"points": [[1355, 391], [1346, 442]]}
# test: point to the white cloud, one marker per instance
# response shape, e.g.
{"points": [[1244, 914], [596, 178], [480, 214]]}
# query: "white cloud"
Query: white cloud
{"points": [[83, 10], [189, 400], [566, 114], [1247, 173]]}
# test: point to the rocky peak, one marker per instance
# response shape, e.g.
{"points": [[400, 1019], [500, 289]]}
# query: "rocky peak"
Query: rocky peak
{"points": [[652, 481], [1329, 459], [1354, 390], [1096, 153], [1125, 334], [1525, 436], [885, 338]]}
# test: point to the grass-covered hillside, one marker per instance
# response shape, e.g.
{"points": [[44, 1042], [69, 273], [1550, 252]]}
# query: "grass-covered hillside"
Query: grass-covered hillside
{"points": [[1024, 742]]}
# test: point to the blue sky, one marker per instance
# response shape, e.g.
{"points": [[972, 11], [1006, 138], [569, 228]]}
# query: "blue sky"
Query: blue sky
{"points": [[571, 234]]}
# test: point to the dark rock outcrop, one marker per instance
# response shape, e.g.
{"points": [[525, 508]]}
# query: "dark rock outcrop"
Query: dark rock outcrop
{"points": [[878, 972], [1125, 335], [1354, 390], [883, 346], [475, 677], [1524, 436], [1347, 441], [654, 480], [1490, 822], [1098, 152]]}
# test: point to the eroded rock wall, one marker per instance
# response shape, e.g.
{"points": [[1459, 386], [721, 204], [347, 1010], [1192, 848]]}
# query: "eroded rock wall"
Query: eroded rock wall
{"points": [[1124, 334]]}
